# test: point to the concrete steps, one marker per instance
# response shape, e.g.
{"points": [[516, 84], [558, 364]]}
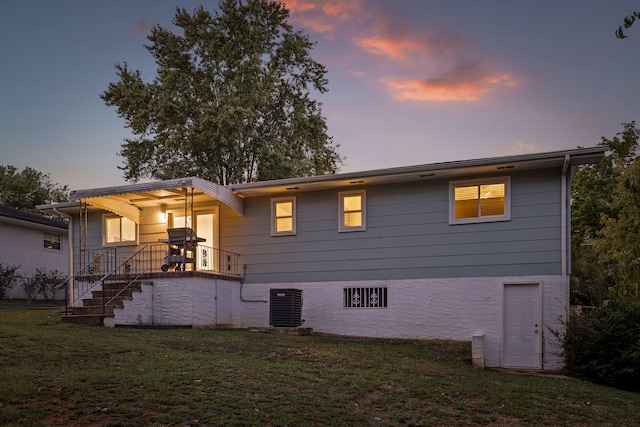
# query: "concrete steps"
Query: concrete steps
{"points": [[91, 312]]}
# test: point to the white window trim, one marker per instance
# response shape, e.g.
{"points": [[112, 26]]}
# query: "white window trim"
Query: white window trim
{"points": [[506, 180], [104, 233], [291, 232], [341, 195], [52, 234]]}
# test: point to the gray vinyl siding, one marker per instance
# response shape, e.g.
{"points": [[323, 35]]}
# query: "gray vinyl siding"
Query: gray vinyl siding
{"points": [[408, 235], [150, 229]]}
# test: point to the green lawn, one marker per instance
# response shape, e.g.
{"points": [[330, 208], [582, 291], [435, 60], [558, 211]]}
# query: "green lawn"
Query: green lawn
{"points": [[54, 373]]}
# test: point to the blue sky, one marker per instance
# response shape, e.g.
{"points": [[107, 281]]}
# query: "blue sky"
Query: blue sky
{"points": [[410, 81]]}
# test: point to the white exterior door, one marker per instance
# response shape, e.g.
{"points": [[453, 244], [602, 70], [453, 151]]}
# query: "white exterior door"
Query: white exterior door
{"points": [[206, 227], [521, 337], [223, 303]]}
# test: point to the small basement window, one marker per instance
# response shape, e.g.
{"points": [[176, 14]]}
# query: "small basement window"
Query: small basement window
{"points": [[482, 200], [52, 241], [365, 297]]}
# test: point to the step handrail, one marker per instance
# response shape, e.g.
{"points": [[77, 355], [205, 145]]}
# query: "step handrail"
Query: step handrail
{"points": [[81, 272], [124, 264]]}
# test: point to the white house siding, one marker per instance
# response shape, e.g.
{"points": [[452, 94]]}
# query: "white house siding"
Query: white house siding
{"points": [[441, 308], [187, 301], [22, 243]]}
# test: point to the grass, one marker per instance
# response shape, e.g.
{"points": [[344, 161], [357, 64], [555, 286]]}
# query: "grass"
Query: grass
{"points": [[58, 374]]}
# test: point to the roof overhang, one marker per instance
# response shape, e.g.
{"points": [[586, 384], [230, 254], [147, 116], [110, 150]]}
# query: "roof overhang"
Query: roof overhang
{"points": [[34, 225], [129, 200], [446, 170]]}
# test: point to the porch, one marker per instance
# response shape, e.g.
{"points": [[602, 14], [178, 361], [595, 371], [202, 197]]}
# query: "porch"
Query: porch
{"points": [[106, 280], [147, 232]]}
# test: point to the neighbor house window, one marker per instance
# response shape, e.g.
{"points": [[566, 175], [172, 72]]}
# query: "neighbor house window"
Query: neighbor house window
{"points": [[119, 231], [283, 216], [480, 200], [352, 211], [365, 297], [52, 241]]}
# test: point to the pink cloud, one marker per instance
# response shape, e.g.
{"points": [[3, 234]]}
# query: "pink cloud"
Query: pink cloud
{"points": [[299, 6], [590, 118], [326, 17], [141, 27], [427, 65], [465, 82], [517, 147], [395, 49]]}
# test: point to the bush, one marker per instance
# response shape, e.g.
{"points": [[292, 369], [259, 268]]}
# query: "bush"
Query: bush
{"points": [[603, 346], [47, 283], [8, 278]]}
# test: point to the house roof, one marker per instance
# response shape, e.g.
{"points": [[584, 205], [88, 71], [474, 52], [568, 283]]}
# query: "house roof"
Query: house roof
{"points": [[16, 216], [454, 169], [128, 200]]}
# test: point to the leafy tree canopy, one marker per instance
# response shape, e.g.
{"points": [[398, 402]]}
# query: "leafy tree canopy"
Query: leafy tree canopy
{"points": [[628, 22], [231, 101], [28, 188], [605, 222]]}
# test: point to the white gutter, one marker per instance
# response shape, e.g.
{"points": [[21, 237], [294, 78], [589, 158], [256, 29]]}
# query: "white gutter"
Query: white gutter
{"points": [[563, 230], [70, 284]]}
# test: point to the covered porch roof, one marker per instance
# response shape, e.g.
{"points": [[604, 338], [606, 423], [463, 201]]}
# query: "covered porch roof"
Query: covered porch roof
{"points": [[128, 200]]}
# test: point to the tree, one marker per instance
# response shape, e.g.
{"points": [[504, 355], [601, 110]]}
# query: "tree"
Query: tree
{"points": [[46, 283], [231, 101], [28, 188], [619, 245], [8, 277], [599, 197], [628, 22]]}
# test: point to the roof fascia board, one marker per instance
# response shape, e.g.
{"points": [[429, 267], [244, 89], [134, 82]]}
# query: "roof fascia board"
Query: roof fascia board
{"points": [[218, 192], [169, 184], [577, 156], [32, 225]]}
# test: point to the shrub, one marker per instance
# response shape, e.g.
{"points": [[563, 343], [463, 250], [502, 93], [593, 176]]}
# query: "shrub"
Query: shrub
{"points": [[603, 346], [8, 277], [47, 283]]}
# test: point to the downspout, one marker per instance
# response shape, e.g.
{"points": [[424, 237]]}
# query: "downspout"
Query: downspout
{"points": [[243, 299], [564, 238], [70, 285]]}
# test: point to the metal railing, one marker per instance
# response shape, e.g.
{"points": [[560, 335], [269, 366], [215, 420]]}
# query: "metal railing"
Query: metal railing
{"points": [[105, 266], [218, 261], [152, 257], [93, 263], [131, 269]]}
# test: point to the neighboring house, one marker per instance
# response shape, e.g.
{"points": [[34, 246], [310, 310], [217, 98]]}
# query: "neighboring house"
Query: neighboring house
{"points": [[32, 241], [474, 250]]}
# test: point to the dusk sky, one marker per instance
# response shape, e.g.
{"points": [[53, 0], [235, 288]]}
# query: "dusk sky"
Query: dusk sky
{"points": [[410, 81]]}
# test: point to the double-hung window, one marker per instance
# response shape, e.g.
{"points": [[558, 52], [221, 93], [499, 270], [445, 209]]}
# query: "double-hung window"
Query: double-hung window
{"points": [[352, 211], [283, 216], [480, 200], [118, 230]]}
